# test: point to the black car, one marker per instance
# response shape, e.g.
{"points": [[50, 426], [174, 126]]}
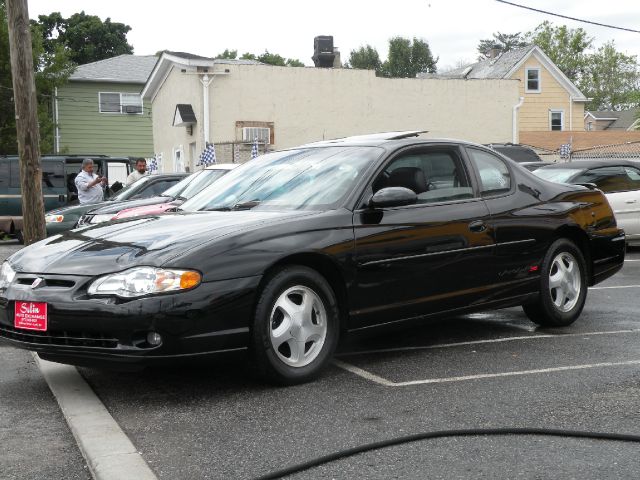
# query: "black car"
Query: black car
{"points": [[292, 249]]}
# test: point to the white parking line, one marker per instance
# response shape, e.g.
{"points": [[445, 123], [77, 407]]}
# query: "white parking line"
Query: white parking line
{"points": [[617, 286], [490, 340], [106, 448], [388, 383]]}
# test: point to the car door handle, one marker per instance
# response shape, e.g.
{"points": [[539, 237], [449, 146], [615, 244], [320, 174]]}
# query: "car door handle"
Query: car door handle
{"points": [[630, 201], [477, 226]]}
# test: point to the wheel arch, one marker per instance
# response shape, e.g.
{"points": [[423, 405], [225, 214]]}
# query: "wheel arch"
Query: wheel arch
{"points": [[581, 240], [326, 267]]}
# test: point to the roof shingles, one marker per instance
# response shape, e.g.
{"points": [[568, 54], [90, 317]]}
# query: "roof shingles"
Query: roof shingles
{"points": [[120, 69]]}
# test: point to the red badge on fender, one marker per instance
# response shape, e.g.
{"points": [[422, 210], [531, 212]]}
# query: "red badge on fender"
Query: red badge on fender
{"points": [[31, 316]]}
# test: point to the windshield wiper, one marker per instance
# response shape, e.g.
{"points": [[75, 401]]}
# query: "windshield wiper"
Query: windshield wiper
{"points": [[246, 205], [238, 206]]}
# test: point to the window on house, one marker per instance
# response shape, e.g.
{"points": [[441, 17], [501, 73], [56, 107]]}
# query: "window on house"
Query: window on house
{"points": [[589, 126], [533, 79], [115, 102], [556, 119]]}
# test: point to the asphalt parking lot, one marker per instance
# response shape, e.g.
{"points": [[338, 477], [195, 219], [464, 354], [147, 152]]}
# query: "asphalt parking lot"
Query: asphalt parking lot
{"points": [[488, 370]]}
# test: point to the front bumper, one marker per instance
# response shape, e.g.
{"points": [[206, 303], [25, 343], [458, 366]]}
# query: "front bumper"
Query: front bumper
{"points": [[213, 317]]}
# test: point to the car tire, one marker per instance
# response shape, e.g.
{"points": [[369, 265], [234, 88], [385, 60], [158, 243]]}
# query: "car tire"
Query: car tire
{"points": [[563, 286], [296, 326]]}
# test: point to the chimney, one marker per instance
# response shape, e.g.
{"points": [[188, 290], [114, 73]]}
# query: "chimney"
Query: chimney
{"points": [[493, 53], [323, 51], [336, 60]]}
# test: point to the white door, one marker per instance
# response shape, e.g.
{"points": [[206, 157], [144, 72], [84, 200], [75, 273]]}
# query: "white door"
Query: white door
{"points": [[178, 159]]}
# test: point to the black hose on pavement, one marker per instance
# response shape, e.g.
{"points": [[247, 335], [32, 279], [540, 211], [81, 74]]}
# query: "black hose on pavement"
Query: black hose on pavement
{"points": [[349, 452]]}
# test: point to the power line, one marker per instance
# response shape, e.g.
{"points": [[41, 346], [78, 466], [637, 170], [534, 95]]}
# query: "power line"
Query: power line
{"points": [[567, 17]]}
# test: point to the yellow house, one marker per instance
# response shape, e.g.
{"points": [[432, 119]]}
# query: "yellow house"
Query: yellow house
{"points": [[549, 100]]}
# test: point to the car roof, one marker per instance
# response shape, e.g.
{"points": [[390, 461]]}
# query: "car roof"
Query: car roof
{"points": [[585, 164], [223, 166], [386, 139]]}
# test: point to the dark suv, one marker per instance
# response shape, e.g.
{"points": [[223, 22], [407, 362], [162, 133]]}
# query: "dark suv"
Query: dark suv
{"points": [[58, 187]]}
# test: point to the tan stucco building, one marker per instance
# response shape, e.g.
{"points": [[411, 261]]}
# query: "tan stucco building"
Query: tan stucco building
{"points": [[196, 100]]}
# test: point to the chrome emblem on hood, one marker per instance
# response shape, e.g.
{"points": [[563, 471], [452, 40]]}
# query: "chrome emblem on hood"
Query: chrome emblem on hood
{"points": [[37, 282]]}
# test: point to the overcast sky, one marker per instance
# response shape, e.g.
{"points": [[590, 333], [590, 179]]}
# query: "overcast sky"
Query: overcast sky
{"points": [[287, 27]]}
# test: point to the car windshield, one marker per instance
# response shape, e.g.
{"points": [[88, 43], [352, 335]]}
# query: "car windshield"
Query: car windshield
{"points": [[306, 178], [130, 190], [202, 180], [558, 175], [176, 190]]}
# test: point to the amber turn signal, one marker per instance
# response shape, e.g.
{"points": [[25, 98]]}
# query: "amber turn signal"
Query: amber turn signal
{"points": [[190, 279]]}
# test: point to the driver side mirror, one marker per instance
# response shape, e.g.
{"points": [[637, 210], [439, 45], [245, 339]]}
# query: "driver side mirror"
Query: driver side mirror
{"points": [[392, 197]]}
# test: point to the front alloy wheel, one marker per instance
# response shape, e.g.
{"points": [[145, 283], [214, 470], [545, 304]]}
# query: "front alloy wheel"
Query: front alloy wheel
{"points": [[296, 326]]}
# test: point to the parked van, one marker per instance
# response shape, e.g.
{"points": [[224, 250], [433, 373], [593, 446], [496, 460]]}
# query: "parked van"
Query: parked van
{"points": [[58, 183]]}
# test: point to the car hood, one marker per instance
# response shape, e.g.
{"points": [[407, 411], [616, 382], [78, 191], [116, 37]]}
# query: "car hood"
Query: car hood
{"points": [[152, 240], [148, 209], [74, 209], [115, 207]]}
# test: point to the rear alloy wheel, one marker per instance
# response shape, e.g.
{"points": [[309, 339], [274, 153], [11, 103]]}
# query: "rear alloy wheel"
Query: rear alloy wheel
{"points": [[296, 326], [563, 286]]}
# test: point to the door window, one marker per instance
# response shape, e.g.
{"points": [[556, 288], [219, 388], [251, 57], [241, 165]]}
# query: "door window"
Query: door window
{"points": [[434, 175], [633, 177], [494, 173]]}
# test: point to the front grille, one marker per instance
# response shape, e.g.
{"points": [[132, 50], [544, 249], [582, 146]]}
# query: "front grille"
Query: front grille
{"points": [[59, 338], [48, 282]]}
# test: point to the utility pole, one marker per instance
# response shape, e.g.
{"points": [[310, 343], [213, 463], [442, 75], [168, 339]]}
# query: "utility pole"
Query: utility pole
{"points": [[24, 95]]}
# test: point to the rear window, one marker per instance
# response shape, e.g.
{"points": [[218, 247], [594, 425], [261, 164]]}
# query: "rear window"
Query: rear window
{"points": [[558, 175]]}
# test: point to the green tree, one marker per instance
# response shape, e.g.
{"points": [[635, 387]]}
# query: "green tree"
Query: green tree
{"points": [[566, 47], [52, 69], [611, 79], [365, 58], [500, 41], [228, 54], [406, 58], [85, 38], [294, 62], [248, 56]]}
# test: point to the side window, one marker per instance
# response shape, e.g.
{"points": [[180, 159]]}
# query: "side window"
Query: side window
{"points": [[494, 173], [434, 175], [14, 174], [4, 173], [607, 179], [53, 177]]}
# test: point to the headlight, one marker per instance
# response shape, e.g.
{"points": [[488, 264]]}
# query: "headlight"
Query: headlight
{"points": [[53, 218], [7, 274], [140, 281], [101, 218]]}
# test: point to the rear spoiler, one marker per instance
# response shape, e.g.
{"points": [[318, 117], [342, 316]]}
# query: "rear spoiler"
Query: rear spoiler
{"points": [[590, 186]]}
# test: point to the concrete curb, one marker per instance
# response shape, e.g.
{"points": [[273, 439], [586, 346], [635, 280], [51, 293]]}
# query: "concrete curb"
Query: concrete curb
{"points": [[108, 451]]}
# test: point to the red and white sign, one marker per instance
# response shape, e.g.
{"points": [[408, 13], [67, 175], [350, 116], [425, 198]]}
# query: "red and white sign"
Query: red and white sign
{"points": [[31, 316]]}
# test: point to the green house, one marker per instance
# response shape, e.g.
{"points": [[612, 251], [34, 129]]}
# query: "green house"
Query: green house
{"points": [[100, 110]]}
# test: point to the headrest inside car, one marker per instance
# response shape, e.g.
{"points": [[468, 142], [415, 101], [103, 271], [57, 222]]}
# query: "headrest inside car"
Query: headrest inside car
{"points": [[409, 177]]}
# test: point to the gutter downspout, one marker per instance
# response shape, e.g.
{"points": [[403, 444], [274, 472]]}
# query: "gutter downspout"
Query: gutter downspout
{"points": [[206, 81], [514, 132], [56, 143], [571, 112]]}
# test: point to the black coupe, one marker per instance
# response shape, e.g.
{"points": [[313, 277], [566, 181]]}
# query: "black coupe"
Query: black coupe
{"points": [[290, 250]]}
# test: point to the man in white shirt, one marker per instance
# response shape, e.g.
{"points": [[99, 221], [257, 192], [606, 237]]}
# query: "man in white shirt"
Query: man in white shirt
{"points": [[139, 172], [89, 184]]}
